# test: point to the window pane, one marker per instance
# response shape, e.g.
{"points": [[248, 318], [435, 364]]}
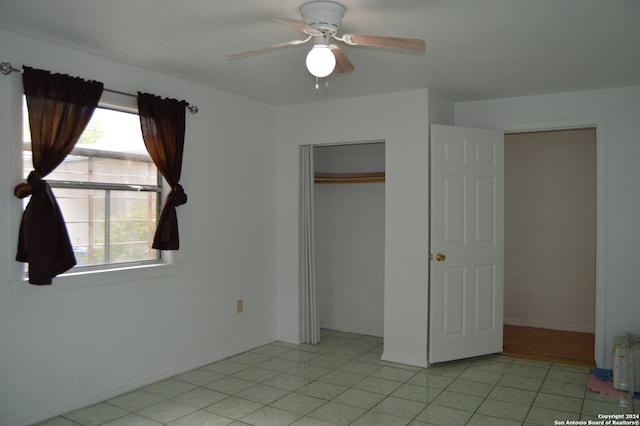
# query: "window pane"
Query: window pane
{"points": [[110, 150], [74, 167], [132, 216], [124, 171], [78, 208], [131, 224]]}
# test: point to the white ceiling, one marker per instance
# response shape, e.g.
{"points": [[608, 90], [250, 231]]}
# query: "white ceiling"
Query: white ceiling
{"points": [[476, 49]]}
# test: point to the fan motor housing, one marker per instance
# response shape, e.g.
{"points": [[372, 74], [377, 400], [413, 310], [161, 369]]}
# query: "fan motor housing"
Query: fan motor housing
{"points": [[323, 15]]}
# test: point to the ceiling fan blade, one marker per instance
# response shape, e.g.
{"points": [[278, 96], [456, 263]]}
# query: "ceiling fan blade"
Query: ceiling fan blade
{"points": [[343, 64], [298, 25], [382, 41], [267, 48]]}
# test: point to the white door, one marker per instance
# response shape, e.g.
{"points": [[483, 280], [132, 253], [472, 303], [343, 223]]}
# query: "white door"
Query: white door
{"points": [[467, 245]]}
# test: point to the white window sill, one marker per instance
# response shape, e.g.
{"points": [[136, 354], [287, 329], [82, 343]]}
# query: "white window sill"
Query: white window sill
{"points": [[87, 279]]}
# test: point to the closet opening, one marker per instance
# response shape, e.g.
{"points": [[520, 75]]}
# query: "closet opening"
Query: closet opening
{"points": [[349, 221]]}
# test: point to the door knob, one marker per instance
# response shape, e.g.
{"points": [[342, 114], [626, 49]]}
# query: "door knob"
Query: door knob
{"points": [[440, 257]]}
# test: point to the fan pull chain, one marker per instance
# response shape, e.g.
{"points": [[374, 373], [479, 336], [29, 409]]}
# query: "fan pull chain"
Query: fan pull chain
{"points": [[326, 84]]}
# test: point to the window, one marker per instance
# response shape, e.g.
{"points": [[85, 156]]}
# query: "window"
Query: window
{"points": [[108, 189]]}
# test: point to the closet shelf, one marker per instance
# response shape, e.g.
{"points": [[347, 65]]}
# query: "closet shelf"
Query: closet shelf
{"points": [[349, 177]]}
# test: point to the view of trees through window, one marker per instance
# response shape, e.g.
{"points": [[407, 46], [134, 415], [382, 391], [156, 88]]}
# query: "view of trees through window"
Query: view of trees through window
{"points": [[108, 190]]}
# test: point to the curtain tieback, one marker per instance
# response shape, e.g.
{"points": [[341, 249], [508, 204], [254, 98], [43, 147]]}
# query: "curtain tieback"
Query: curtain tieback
{"points": [[177, 196], [31, 186]]}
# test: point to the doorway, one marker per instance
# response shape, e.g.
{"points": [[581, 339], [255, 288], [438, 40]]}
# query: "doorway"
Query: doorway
{"points": [[550, 244], [349, 220]]}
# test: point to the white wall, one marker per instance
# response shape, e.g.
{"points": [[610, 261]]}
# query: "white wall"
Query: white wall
{"points": [[401, 121], [441, 109], [60, 350], [349, 158], [617, 113]]}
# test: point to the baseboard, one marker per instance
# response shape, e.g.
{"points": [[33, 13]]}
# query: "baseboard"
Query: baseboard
{"points": [[549, 325], [105, 394], [400, 359], [288, 339], [330, 325], [550, 359]]}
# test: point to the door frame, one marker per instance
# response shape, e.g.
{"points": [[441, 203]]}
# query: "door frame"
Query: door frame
{"points": [[318, 288], [600, 297]]}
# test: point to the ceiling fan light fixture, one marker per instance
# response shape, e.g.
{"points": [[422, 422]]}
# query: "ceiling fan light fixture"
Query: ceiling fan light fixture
{"points": [[321, 21], [320, 61]]}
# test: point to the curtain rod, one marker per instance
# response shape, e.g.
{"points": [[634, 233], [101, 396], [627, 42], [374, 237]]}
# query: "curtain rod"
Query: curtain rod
{"points": [[6, 68]]}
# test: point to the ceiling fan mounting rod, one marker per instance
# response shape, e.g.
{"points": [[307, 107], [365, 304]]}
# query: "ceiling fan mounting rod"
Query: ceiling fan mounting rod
{"points": [[321, 39]]}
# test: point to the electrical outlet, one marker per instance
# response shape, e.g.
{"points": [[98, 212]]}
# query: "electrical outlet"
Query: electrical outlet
{"points": [[239, 306]]}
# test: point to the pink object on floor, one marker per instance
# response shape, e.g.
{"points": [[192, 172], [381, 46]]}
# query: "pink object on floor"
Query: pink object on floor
{"points": [[606, 387]]}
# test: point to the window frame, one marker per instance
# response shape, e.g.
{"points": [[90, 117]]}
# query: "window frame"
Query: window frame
{"points": [[85, 276]]}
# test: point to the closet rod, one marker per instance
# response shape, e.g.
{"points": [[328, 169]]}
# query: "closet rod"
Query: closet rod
{"points": [[370, 177], [6, 68]]}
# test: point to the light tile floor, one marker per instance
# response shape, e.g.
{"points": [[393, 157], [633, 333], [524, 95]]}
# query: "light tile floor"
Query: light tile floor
{"points": [[343, 382]]}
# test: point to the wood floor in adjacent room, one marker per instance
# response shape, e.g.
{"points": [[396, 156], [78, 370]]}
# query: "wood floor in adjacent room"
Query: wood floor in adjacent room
{"points": [[551, 345]]}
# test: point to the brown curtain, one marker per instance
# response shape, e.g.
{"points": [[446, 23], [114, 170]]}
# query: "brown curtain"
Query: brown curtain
{"points": [[59, 107], [163, 127]]}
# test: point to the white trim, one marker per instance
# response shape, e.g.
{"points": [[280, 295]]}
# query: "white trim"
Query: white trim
{"points": [[14, 134], [87, 279], [118, 102], [548, 325], [350, 329], [600, 125]]}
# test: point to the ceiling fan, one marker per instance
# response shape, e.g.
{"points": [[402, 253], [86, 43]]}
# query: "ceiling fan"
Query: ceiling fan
{"points": [[321, 22]]}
